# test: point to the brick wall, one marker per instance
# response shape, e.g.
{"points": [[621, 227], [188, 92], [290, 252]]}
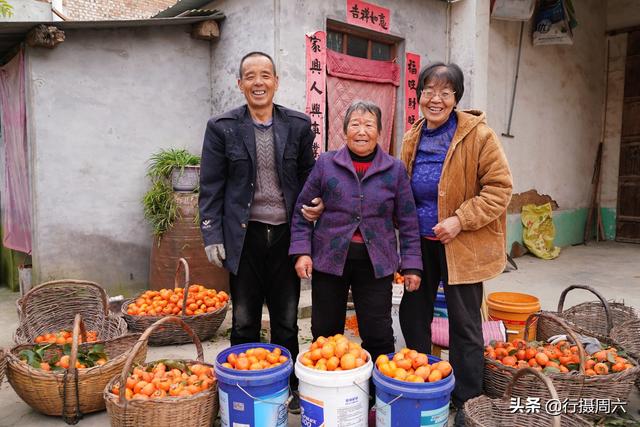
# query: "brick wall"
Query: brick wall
{"points": [[113, 9]]}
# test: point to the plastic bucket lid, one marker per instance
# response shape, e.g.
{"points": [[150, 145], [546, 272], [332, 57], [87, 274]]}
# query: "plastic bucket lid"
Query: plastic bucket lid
{"points": [[333, 378], [252, 378]]}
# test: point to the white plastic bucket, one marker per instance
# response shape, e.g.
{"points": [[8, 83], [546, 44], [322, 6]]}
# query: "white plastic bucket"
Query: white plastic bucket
{"points": [[396, 299], [334, 398]]}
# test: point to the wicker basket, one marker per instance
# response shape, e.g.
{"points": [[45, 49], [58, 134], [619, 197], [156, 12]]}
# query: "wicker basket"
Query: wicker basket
{"points": [[3, 364], [204, 325], [52, 306], [572, 385], [73, 392], [627, 334], [595, 319], [485, 412], [196, 410]]}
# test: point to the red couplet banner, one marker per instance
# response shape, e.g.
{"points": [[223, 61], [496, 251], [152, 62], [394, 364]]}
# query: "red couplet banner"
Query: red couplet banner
{"points": [[411, 103], [368, 15], [316, 86]]}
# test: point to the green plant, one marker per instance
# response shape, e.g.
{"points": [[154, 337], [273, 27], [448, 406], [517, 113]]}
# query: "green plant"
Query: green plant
{"points": [[6, 9], [160, 208], [163, 162]]}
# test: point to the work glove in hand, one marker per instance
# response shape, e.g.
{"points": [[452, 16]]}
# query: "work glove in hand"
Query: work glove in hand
{"points": [[590, 344], [216, 254]]}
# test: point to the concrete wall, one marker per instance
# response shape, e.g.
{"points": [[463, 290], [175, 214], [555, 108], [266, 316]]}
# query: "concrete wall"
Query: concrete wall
{"points": [[622, 14], [102, 102], [559, 103], [278, 28], [29, 10]]}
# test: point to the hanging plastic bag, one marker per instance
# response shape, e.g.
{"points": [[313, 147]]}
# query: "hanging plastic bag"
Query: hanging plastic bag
{"points": [[538, 231], [553, 23]]}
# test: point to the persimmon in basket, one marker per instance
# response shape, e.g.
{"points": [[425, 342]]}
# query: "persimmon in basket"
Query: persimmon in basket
{"points": [[561, 357], [411, 366], [64, 337], [335, 353], [166, 302], [166, 378], [255, 359]]}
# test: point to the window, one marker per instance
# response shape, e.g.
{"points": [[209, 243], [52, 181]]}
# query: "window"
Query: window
{"points": [[359, 45]]}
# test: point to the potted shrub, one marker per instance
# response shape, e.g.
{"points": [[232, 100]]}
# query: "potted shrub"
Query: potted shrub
{"points": [[169, 170]]}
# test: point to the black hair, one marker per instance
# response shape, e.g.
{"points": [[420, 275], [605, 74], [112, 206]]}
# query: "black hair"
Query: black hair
{"points": [[363, 107], [255, 53], [449, 73]]}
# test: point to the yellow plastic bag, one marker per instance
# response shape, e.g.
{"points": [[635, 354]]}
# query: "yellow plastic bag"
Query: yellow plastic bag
{"points": [[538, 231]]}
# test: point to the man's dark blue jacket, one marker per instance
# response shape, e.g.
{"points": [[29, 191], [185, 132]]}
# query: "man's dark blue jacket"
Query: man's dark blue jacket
{"points": [[228, 172]]}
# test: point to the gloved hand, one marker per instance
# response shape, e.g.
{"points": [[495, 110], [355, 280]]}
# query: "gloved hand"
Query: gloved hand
{"points": [[216, 254], [590, 344]]}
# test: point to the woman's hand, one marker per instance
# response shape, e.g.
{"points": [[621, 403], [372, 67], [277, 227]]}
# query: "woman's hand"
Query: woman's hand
{"points": [[304, 266], [411, 282], [312, 213], [448, 229]]}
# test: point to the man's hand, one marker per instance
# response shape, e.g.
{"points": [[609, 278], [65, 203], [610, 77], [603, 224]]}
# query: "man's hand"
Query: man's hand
{"points": [[304, 266], [448, 229], [411, 282], [313, 213], [216, 254]]}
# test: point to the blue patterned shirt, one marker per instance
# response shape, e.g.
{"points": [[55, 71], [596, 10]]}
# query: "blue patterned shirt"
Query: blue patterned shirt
{"points": [[427, 168]]}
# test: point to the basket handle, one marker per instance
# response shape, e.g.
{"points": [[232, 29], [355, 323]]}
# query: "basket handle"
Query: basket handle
{"points": [[24, 301], [564, 325], [143, 341], [78, 328], [555, 419], [605, 304], [183, 262]]}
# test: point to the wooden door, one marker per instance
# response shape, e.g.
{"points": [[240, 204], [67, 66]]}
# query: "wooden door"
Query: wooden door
{"points": [[628, 212]]}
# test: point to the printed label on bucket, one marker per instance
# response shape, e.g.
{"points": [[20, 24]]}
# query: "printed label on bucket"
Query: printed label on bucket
{"points": [[271, 410], [432, 418], [311, 412], [224, 407]]}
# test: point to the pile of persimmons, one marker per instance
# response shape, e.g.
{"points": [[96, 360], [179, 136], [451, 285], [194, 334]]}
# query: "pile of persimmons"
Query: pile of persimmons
{"points": [[166, 379], [64, 337], [255, 359], [335, 353], [411, 366], [553, 358], [167, 302]]}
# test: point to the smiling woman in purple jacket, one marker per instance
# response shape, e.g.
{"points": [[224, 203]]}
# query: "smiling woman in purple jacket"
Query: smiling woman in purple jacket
{"points": [[366, 193]]}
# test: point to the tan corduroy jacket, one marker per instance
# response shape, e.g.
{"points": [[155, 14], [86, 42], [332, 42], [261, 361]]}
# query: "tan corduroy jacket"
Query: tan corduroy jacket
{"points": [[476, 186]]}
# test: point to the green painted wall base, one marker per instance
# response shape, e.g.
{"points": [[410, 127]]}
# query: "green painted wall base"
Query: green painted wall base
{"points": [[569, 225]]}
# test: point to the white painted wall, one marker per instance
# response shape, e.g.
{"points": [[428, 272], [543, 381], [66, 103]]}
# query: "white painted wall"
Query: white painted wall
{"points": [[558, 112], [102, 102], [277, 27]]}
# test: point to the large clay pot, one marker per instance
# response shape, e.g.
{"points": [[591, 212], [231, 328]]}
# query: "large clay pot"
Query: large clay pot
{"points": [[186, 178], [184, 240]]}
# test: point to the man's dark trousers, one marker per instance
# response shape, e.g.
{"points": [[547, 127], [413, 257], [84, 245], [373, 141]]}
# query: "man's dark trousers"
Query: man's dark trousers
{"points": [[266, 274]]}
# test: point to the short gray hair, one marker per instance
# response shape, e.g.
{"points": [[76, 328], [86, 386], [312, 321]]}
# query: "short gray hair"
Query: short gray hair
{"points": [[363, 107]]}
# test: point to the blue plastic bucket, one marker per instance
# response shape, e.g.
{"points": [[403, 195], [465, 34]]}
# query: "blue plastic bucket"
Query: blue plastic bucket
{"points": [[253, 398], [402, 403]]}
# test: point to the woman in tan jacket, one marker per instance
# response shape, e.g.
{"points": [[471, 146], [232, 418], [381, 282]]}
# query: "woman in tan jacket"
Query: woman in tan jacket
{"points": [[462, 185]]}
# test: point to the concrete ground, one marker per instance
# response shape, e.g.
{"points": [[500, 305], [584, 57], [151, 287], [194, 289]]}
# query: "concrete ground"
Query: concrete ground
{"points": [[612, 268]]}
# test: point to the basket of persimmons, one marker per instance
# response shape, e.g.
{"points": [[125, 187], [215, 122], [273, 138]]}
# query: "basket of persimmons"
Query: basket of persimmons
{"points": [[202, 309], [65, 376], [166, 392], [606, 371]]}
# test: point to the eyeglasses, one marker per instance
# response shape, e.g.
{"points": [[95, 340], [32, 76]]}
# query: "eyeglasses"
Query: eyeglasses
{"points": [[445, 95]]}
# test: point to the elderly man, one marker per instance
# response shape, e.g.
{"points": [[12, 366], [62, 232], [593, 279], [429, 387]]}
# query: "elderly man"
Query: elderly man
{"points": [[255, 160]]}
